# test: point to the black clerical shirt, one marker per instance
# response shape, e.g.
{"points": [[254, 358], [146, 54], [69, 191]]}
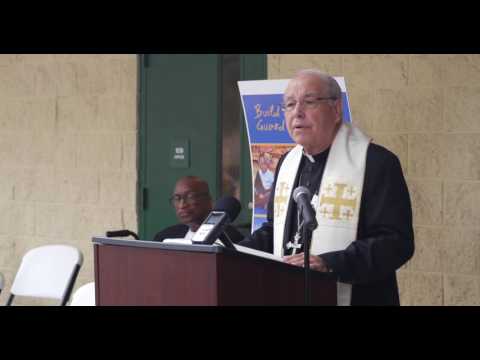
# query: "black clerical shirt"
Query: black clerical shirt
{"points": [[310, 172]]}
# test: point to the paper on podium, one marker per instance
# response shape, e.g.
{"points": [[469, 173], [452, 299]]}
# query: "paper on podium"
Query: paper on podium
{"points": [[239, 248], [177, 241], [186, 241], [259, 253]]}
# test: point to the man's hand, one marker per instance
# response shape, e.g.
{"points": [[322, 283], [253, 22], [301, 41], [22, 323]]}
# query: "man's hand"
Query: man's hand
{"points": [[316, 262]]}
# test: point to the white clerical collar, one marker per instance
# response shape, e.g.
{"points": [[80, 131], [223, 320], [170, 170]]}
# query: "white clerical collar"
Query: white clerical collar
{"points": [[308, 156], [320, 156]]}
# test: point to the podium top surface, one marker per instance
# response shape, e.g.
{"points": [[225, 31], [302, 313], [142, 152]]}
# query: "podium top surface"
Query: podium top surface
{"points": [[197, 248], [158, 245]]}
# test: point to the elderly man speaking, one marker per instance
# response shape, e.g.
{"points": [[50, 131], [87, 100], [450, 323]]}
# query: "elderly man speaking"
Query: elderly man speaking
{"points": [[362, 203]]}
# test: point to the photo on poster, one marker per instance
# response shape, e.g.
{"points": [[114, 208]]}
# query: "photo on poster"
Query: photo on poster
{"points": [[265, 158]]}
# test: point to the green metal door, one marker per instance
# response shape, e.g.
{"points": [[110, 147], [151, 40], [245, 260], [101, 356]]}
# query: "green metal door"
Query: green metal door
{"points": [[180, 131]]}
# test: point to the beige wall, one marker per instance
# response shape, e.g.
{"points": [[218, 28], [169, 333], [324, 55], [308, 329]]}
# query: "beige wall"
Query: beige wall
{"points": [[426, 109], [67, 153]]}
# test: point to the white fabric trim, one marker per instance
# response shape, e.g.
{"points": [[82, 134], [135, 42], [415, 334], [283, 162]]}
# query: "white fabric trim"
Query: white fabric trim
{"points": [[339, 197]]}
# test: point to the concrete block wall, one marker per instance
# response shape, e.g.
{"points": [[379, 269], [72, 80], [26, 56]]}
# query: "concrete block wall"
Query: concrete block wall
{"points": [[68, 137], [426, 109], [68, 127]]}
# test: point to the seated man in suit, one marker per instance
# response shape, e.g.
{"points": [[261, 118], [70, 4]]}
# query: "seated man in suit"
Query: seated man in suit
{"points": [[192, 202]]}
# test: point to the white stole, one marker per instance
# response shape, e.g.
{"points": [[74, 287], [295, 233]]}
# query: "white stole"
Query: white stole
{"points": [[338, 204]]}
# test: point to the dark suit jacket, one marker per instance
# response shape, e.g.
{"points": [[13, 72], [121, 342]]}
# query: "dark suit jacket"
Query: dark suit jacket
{"points": [[180, 230], [384, 236]]}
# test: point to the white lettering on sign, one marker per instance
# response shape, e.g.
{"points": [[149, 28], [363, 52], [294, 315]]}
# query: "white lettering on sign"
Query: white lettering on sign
{"points": [[179, 150]]}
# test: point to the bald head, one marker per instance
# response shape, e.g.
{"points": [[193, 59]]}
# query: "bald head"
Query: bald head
{"points": [[192, 201], [329, 83], [194, 182]]}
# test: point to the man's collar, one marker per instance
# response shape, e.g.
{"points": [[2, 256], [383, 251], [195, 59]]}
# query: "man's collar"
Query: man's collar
{"points": [[318, 157]]}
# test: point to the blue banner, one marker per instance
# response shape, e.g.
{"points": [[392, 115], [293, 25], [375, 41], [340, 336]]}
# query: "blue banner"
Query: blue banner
{"points": [[268, 135]]}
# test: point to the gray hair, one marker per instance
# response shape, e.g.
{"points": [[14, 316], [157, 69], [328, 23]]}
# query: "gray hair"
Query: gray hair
{"points": [[333, 88]]}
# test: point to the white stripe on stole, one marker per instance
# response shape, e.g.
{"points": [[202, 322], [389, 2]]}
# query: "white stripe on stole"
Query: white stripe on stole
{"points": [[339, 197]]}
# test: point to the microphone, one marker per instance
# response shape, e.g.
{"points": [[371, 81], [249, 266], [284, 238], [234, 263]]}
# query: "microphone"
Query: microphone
{"points": [[229, 205], [302, 197], [121, 233], [225, 211]]}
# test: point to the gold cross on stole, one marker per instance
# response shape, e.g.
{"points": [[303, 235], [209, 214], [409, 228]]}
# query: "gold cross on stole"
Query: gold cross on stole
{"points": [[280, 201], [337, 201]]}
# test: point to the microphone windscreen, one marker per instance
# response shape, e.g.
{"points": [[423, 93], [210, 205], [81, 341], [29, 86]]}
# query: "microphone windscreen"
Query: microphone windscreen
{"points": [[299, 191], [230, 205]]}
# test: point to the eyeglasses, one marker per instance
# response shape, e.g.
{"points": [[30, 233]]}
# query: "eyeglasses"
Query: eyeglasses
{"points": [[309, 103], [188, 198]]}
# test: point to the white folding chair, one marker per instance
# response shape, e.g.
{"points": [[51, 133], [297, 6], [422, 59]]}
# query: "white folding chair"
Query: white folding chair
{"points": [[84, 296], [48, 272]]}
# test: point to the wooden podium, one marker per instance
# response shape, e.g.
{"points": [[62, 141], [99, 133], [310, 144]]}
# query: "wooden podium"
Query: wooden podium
{"points": [[135, 272]]}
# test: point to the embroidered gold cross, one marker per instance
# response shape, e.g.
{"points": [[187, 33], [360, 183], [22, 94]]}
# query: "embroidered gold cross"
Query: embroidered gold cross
{"points": [[281, 199], [324, 212], [338, 201], [348, 214], [351, 191]]}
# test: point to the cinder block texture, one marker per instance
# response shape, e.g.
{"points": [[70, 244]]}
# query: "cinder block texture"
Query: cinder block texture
{"points": [[59, 163], [424, 108], [68, 126], [461, 203], [461, 290], [426, 197]]}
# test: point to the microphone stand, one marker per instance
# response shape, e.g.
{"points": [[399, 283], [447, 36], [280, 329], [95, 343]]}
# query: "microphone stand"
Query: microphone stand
{"points": [[225, 239], [307, 228], [307, 235]]}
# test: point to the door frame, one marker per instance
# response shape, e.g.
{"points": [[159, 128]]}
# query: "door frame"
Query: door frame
{"points": [[252, 67]]}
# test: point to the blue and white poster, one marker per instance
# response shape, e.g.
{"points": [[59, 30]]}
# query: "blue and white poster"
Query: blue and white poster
{"points": [[268, 135]]}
